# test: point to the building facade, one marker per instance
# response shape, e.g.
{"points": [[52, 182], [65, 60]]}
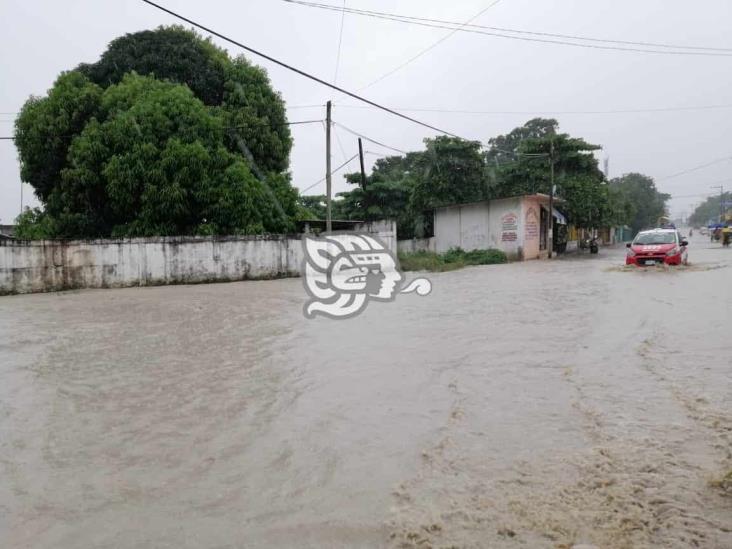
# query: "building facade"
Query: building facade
{"points": [[519, 226]]}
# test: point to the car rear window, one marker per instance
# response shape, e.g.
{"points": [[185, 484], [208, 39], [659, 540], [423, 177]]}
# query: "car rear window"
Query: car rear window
{"points": [[655, 238]]}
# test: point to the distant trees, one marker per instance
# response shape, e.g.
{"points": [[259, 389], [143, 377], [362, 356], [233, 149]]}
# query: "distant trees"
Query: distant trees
{"points": [[636, 201], [708, 210], [520, 162], [164, 135], [451, 171]]}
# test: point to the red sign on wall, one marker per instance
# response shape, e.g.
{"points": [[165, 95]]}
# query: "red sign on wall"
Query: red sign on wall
{"points": [[509, 227]]}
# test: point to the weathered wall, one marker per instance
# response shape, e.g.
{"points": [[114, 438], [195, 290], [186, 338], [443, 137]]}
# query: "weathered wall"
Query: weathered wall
{"points": [[41, 266], [506, 227], [531, 215], [413, 245], [51, 265], [386, 230], [481, 225]]}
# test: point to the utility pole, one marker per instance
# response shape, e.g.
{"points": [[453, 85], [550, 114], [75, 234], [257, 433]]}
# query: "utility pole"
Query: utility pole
{"points": [[550, 232], [363, 170], [328, 190], [721, 201]]}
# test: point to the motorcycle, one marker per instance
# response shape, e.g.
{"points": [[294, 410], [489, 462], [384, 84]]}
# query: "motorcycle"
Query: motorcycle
{"points": [[590, 243]]}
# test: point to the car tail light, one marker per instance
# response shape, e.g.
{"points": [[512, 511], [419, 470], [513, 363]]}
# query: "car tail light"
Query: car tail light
{"points": [[673, 251]]}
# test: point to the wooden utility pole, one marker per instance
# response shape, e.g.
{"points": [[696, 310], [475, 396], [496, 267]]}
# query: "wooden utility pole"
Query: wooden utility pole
{"points": [[363, 170], [328, 190], [550, 232]]}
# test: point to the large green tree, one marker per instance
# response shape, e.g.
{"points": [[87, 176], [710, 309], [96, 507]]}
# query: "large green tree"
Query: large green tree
{"points": [[406, 188], [164, 135], [639, 199], [521, 163]]}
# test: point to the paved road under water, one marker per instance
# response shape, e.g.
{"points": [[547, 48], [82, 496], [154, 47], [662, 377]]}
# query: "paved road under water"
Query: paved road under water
{"points": [[542, 404]]}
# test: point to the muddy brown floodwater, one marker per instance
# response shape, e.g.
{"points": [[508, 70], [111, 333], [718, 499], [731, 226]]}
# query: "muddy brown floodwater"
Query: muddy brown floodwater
{"points": [[543, 404]]}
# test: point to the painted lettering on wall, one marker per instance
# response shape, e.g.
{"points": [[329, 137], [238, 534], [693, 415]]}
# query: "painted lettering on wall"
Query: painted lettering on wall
{"points": [[509, 227], [532, 224]]}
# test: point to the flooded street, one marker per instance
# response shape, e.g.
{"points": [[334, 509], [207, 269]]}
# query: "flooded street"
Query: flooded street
{"points": [[539, 404]]}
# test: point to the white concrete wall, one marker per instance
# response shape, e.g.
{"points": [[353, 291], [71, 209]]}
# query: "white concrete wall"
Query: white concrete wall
{"points": [[386, 230], [447, 228], [416, 245], [41, 266], [496, 224], [50, 265]]}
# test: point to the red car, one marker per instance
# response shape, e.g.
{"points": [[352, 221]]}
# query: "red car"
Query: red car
{"points": [[656, 247]]}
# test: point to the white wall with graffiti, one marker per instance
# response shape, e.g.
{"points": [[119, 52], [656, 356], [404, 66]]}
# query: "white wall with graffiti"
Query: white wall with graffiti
{"points": [[513, 225]]}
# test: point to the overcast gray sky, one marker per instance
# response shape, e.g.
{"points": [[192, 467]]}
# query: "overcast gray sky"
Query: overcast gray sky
{"points": [[465, 72]]}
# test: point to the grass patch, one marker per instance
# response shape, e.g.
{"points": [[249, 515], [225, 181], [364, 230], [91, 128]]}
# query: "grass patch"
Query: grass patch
{"points": [[454, 258]]}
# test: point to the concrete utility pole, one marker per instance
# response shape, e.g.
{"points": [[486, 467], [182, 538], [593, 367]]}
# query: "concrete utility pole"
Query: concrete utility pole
{"points": [[328, 191], [550, 231]]}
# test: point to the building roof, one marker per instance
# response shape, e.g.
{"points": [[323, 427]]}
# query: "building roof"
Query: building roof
{"points": [[539, 196]]}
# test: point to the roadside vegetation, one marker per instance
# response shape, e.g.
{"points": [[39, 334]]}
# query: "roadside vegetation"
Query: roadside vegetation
{"points": [[165, 134], [144, 144], [455, 258]]}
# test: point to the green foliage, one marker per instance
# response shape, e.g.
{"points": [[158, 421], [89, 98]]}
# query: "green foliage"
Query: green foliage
{"points": [[46, 126], [405, 188], [167, 53], [450, 171], [312, 207], [197, 143], [33, 224], [249, 106], [637, 201], [454, 258], [520, 163], [708, 210], [258, 114], [476, 257], [453, 171], [427, 261]]}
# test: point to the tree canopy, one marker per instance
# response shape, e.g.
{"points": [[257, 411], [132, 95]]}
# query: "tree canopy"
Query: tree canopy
{"points": [[165, 134], [639, 200], [452, 171], [709, 210]]}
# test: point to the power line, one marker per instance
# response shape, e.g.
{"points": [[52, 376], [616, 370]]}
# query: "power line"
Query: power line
{"points": [[428, 48], [517, 31], [340, 43], [340, 144], [353, 132], [476, 29], [296, 70], [695, 168], [530, 113], [319, 181]]}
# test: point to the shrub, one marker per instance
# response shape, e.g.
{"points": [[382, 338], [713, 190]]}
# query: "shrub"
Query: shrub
{"points": [[454, 258]]}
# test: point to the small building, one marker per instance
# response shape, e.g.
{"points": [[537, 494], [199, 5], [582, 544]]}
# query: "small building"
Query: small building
{"points": [[385, 229], [519, 226], [7, 231]]}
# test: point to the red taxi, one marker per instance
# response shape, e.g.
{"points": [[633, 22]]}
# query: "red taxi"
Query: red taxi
{"points": [[659, 246]]}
